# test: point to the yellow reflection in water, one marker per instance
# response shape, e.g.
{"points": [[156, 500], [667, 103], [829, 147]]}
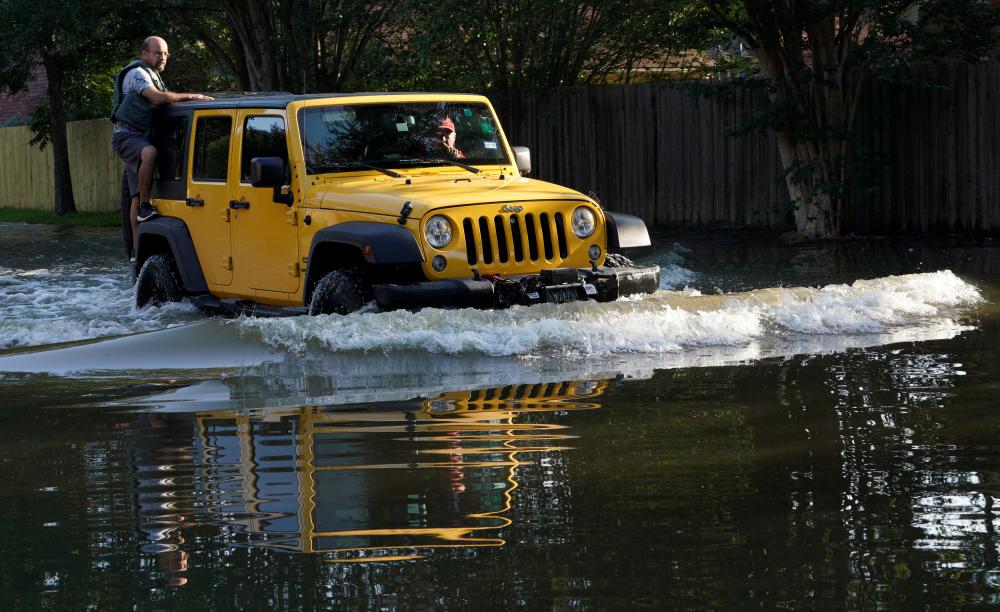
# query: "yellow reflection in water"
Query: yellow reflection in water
{"points": [[345, 481]]}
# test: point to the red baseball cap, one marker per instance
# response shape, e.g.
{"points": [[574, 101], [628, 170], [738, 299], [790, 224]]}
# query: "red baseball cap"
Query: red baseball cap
{"points": [[447, 124]]}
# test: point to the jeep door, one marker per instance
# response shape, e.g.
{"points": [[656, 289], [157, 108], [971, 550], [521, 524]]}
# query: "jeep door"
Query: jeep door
{"points": [[209, 182], [265, 245]]}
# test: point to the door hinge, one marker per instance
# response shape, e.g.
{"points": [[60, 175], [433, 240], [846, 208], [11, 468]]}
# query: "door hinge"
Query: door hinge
{"points": [[227, 263], [225, 215], [293, 269], [291, 218]]}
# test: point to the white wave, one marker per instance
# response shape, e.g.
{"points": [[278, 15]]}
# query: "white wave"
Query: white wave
{"points": [[44, 306], [665, 322], [581, 327], [675, 276], [874, 306]]}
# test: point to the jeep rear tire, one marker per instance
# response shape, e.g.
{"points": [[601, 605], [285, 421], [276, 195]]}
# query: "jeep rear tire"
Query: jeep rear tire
{"points": [[340, 292], [157, 282]]}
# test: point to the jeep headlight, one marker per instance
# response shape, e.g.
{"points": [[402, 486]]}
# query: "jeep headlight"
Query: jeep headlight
{"points": [[583, 222], [437, 231]]}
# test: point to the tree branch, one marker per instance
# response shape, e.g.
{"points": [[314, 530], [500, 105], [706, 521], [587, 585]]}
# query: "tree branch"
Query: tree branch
{"points": [[714, 6]]}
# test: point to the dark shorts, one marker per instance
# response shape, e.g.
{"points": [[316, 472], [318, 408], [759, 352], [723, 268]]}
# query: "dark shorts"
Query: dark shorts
{"points": [[128, 146]]}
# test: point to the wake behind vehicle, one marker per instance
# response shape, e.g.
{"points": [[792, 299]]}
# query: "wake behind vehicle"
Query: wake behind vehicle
{"points": [[319, 204]]}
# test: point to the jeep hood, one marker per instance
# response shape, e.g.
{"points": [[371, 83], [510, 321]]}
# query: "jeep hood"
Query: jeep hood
{"points": [[386, 195]]}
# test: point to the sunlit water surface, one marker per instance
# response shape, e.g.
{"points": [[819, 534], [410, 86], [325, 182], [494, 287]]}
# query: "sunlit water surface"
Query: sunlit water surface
{"points": [[779, 426]]}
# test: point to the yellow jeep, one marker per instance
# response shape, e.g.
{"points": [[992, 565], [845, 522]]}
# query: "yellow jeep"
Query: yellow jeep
{"points": [[319, 204]]}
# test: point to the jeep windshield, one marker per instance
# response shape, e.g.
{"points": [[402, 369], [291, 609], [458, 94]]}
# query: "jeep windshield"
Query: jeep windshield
{"points": [[381, 136]]}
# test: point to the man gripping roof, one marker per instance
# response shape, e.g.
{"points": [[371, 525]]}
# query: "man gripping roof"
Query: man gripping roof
{"points": [[138, 91]]}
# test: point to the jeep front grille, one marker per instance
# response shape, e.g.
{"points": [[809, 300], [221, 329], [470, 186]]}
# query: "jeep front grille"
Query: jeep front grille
{"points": [[542, 391], [516, 238]]}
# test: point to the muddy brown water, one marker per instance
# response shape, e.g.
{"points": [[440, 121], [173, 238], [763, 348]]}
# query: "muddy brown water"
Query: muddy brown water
{"points": [[209, 464]]}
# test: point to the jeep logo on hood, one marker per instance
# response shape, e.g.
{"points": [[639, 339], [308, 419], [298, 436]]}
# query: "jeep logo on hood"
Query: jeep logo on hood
{"points": [[511, 208]]}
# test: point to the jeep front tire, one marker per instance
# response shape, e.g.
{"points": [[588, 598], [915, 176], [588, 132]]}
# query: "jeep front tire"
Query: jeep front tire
{"points": [[157, 282], [340, 292]]}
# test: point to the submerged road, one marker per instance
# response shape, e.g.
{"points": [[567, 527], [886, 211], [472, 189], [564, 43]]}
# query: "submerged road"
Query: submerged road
{"points": [[780, 425]]}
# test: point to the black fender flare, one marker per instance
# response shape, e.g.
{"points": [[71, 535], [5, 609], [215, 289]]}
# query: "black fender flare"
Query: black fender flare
{"points": [[178, 238], [378, 243], [625, 231]]}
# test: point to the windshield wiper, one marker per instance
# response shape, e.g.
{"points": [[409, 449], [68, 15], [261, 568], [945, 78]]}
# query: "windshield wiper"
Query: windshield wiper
{"points": [[441, 160], [353, 164]]}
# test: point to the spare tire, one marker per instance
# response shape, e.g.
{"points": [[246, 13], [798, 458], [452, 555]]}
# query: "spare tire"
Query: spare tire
{"points": [[158, 282]]}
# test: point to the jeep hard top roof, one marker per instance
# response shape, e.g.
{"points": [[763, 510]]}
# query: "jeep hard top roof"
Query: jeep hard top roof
{"points": [[282, 99]]}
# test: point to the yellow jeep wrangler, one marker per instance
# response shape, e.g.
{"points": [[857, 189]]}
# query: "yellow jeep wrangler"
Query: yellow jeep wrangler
{"points": [[292, 204]]}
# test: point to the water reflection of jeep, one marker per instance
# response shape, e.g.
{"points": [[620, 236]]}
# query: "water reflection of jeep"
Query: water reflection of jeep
{"points": [[322, 203], [368, 481]]}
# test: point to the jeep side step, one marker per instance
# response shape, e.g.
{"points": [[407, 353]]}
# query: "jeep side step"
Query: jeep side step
{"points": [[236, 308]]}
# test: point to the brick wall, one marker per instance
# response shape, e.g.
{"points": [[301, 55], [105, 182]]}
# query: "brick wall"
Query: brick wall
{"points": [[15, 110]]}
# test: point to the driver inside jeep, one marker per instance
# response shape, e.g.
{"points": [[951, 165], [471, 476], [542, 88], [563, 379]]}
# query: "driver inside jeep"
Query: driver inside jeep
{"points": [[438, 140], [443, 139]]}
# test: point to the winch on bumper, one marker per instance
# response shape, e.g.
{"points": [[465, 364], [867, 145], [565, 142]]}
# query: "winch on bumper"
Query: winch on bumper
{"points": [[494, 291]]}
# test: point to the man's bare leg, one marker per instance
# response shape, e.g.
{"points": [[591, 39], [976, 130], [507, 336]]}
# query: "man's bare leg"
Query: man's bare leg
{"points": [[134, 208], [147, 161]]}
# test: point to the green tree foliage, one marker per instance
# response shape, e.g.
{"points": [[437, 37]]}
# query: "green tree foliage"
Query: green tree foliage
{"points": [[86, 95], [202, 52], [816, 55], [73, 41], [305, 45], [292, 45], [518, 44]]}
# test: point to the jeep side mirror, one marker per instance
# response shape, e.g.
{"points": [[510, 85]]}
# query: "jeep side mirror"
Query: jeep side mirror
{"points": [[270, 172], [522, 158], [267, 171]]}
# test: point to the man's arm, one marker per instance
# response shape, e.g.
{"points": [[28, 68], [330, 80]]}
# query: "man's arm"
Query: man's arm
{"points": [[158, 97]]}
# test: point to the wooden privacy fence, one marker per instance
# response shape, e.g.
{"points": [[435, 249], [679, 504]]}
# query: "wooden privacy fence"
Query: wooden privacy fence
{"points": [[659, 151], [26, 172], [656, 151], [941, 147], [667, 154]]}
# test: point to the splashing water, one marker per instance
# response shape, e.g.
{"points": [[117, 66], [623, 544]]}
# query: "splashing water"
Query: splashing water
{"points": [[47, 305], [664, 322]]}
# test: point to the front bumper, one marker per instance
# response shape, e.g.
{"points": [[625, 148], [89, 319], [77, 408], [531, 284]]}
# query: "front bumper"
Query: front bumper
{"points": [[548, 286]]}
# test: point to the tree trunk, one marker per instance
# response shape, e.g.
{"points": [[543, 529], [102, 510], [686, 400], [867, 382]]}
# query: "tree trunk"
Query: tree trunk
{"points": [[224, 47], [64, 202], [251, 23], [813, 134], [814, 210]]}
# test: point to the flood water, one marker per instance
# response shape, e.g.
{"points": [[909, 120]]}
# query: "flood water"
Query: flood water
{"points": [[791, 426]]}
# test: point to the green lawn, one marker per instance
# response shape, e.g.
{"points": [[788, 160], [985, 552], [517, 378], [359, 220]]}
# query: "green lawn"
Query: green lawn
{"points": [[89, 219]]}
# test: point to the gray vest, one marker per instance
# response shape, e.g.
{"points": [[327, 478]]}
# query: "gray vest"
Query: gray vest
{"points": [[133, 109]]}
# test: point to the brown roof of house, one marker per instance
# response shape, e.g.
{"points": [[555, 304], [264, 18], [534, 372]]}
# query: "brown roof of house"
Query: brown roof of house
{"points": [[15, 110]]}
